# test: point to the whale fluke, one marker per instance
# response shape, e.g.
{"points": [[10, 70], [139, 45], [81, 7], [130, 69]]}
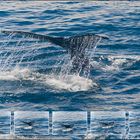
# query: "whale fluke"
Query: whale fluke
{"points": [[31, 35], [75, 45], [72, 44], [30, 123]]}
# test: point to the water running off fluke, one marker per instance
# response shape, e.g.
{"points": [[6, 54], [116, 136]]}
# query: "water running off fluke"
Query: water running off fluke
{"points": [[14, 51], [80, 50]]}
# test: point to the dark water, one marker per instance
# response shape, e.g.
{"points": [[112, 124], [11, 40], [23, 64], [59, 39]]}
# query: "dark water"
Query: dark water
{"points": [[29, 71]]}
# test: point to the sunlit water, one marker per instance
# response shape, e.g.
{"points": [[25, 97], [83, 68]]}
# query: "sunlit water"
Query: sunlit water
{"points": [[29, 72], [30, 75]]}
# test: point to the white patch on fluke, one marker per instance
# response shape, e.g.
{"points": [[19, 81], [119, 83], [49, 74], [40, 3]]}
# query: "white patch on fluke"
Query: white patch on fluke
{"points": [[69, 82]]}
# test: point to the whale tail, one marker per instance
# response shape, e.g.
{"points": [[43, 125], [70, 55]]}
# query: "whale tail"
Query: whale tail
{"points": [[75, 45]]}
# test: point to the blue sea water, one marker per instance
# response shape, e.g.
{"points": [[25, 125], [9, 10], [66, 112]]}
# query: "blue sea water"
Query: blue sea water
{"points": [[30, 75]]}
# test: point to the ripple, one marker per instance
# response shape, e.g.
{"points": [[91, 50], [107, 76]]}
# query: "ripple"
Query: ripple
{"points": [[115, 66]]}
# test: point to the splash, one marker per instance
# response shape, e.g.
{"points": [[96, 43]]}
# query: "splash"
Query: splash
{"points": [[71, 83], [14, 51]]}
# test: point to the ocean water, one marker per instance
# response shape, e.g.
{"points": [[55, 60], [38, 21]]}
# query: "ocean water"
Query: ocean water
{"points": [[31, 72]]}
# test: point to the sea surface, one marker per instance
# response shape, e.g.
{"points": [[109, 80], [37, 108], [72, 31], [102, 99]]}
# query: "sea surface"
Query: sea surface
{"points": [[31, 72]]}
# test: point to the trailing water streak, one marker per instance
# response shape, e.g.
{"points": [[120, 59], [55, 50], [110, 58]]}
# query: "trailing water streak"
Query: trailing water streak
{"points": [[62, 63], [66, 67], [19, 53], [1, 50], [91, 54], [13, 54]]}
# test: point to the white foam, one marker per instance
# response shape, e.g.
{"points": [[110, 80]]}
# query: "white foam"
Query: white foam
{"points": [[89, 136], [14, 74], [118, 61], [69, 82]]}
